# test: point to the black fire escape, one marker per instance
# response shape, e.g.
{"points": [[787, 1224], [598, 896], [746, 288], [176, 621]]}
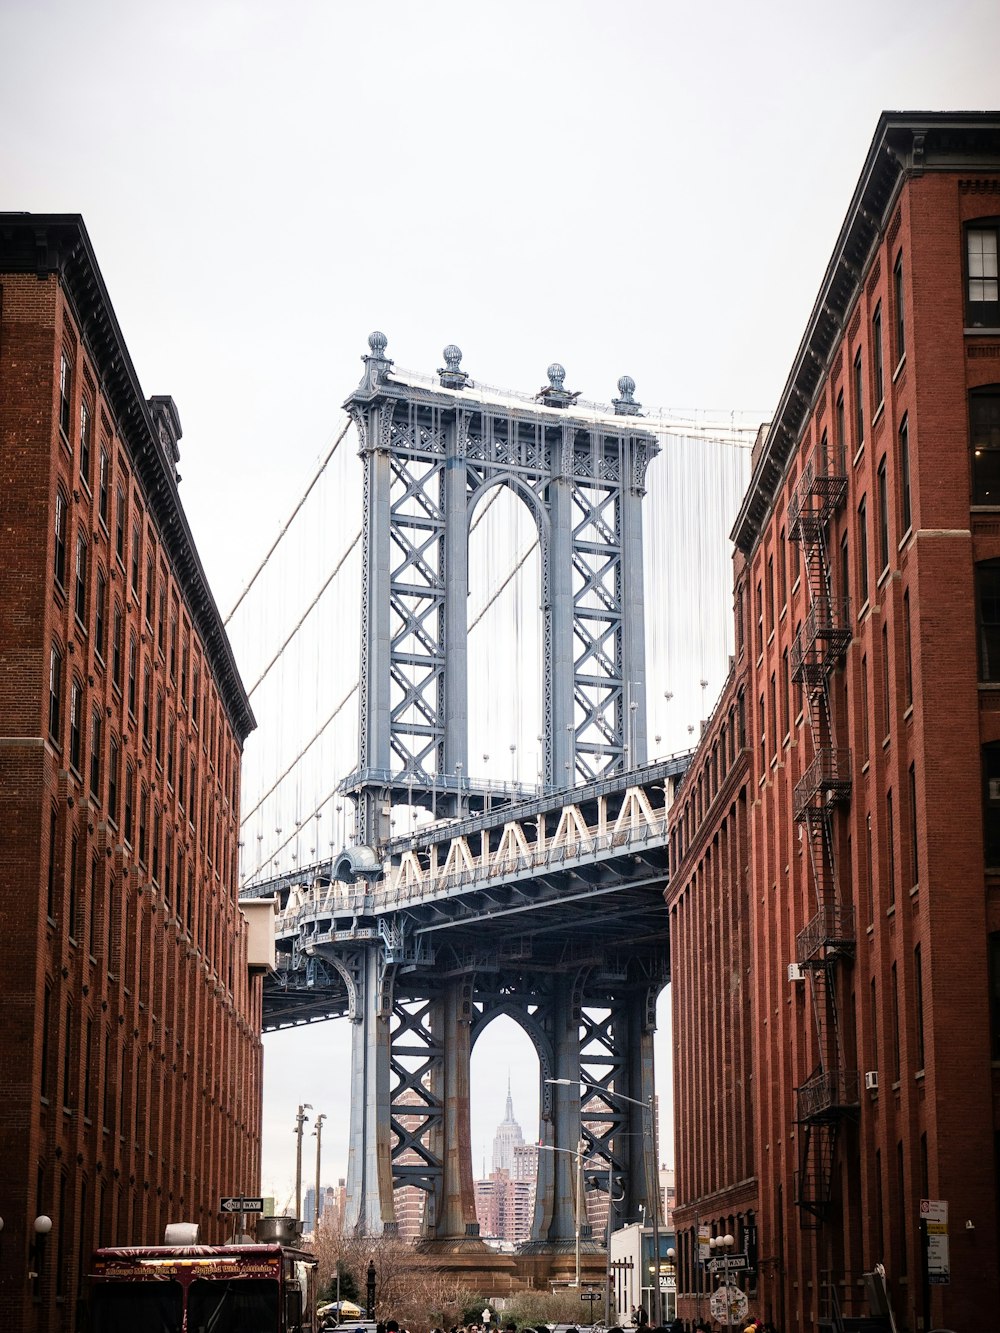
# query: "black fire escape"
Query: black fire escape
{"points": [[831, 1093]]}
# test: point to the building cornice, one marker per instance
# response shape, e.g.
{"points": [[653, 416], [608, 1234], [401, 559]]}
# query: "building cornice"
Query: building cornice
{"points": [[58, 244], [906, 144]]}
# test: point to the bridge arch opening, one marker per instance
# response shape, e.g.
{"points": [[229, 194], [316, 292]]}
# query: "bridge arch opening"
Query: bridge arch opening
{"points": [[504, 1092], [505, 640]]}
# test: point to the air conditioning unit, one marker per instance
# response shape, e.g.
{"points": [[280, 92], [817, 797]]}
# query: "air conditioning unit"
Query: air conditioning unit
{"points": [[796, 972], [871, 1080]]}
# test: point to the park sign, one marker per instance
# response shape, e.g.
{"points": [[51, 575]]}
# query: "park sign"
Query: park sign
{"points": [[239, 1203]]}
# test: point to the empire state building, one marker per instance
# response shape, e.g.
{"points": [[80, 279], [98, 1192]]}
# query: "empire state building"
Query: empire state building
{"points": [[508, 1138]]}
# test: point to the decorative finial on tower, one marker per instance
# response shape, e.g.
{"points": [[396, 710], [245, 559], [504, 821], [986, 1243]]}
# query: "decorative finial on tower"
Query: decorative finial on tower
{"points": [[376, 362], [626, 406], [452, 376], [555, 393]]}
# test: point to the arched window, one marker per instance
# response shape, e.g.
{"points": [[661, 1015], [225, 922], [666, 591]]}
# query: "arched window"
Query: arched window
{"points": [[55, 693], [59, 526], [80, 592]]}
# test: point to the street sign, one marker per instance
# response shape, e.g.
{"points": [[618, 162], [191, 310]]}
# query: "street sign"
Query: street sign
{"points": [[934, 1216], [728, 1304], [591, 1296], [729, 1263], [239, 1203], [704, 1235]]}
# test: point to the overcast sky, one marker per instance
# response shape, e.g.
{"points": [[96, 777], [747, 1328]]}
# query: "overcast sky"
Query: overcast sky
{"points": [[651, 188]]}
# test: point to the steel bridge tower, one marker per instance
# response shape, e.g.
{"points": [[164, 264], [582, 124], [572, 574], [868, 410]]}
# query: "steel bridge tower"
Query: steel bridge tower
{"points": [[430, 453]]}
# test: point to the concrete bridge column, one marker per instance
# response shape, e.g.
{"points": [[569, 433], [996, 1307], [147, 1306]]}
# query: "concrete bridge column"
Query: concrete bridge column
{"points": [[369, 1172]]}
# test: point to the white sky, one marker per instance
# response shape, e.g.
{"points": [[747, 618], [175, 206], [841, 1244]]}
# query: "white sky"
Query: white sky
{"points": [[650, 188]]}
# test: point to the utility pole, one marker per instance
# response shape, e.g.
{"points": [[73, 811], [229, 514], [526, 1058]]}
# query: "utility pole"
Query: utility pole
{"points": [[317, 1212], [300, 1120]]}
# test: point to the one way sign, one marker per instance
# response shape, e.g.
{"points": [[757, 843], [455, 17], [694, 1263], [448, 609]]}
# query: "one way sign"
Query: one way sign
{"points": [[240, 1204]]}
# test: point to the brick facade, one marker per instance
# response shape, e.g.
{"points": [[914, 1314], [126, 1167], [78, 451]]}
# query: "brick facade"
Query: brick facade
{"points": [[130, 1050], [848, 834]]}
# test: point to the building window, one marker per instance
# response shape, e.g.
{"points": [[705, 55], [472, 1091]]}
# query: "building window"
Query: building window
{"points": [[760, 619], [864, 707], [984, 429], [158, 749], [114, 759], [991, 803], [891, 842], [129, 801], [133, 667], [841, 430], [896, 1060], [65, 394], [863, 551], [782, 573], [988, 617], [859, 402], [883, 517], [898, 301], [146, 692], [763, 740], [161, 613], [983, 293], [75, 725], [143, 822], [117, 646], [120, 526], [878, 378], [914, 850], [134, 571], [869, 868], [886, 684], [918, 1000], [904, 474], [908, 649], [80, 590], [96, 729], [46, 1038], [55, 693], [994, 982], [59, 560], [102, 487], [86, 442], [149, 589], [101, 614]]}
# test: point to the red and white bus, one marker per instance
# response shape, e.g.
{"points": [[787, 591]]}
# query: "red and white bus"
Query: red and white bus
{"points": [[203, 1289]]}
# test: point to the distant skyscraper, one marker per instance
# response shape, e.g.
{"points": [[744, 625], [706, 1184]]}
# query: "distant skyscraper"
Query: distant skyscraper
{"points": [[505, 1203], [508, 1137]]}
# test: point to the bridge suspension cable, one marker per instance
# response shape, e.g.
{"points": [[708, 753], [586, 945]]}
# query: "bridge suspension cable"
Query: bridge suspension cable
{"points": [[301, 755], [302, 619], [289, 521]]}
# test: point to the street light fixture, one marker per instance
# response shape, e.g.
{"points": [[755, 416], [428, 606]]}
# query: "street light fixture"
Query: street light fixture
{"points": [[36, 1254], [300, 1120], [318, 1206], [723, 1244], [576, 1152], [603, 1092]]}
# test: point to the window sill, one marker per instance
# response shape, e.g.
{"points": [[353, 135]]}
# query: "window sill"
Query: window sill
{"points": [[919, 1076], [883, 577], [907, 712], [915, 890], [904, 540], [858, 454], [887, 742], [863, 610], [891, 910], [879, 413], [981, 331], [899, 368]]}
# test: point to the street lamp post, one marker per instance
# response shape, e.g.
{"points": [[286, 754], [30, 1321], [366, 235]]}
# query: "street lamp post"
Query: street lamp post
{"points": [[300, 1120], [647, 1106], [317, 1211], [723, 1244], [576, 1152]]}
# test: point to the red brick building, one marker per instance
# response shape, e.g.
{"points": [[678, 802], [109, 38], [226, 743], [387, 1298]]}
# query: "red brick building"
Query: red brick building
{"points": [[130, 1045], [835, 900]]}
